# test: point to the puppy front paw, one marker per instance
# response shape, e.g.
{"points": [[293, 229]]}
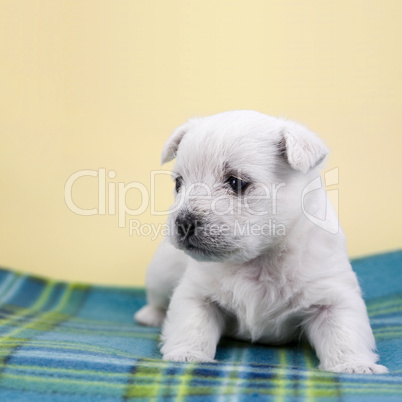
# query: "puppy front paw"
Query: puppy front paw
{"points": [[188, 357], [355, 368], [150, 316]]}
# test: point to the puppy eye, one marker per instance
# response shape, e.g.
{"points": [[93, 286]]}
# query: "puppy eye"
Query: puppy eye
{"points": [[179, 182], [236, 184]]}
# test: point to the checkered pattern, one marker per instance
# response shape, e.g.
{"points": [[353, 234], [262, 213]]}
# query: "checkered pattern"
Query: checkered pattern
{"points": [[66, 342]]}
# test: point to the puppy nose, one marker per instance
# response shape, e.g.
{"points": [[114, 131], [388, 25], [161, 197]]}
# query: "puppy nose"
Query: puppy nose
{"points": [[186, 225]]}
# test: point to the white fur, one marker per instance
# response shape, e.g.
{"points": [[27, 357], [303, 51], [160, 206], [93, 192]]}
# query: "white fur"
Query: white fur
{"points": [[266, 287]]}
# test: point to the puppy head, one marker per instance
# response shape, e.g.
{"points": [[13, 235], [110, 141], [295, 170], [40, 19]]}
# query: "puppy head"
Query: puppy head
{"points": [[239, 177]]}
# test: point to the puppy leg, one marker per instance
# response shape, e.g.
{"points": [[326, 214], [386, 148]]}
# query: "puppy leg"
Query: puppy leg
{"points": [[192, 328], [342, 338], [163, 274], [150, 315], [153, 313]]}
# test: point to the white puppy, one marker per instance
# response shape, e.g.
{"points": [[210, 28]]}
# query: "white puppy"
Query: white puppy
{"points": [[247, 259]]}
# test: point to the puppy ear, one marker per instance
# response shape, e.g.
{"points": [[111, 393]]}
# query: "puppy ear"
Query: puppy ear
{"points": [[170, 148], [301, 147]]}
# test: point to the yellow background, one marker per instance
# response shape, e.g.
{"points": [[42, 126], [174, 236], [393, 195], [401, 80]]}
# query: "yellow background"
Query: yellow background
{"points": [[101, 84]]}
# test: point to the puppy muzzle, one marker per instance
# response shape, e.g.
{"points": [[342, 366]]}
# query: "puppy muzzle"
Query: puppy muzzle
{"points": [[194, 235], [187, 225]]}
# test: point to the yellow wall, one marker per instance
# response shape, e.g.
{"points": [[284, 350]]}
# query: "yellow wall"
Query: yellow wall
{"points": [[101, 84]]}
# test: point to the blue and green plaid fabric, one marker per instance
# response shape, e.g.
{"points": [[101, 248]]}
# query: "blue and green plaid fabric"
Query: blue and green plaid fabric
{"points": [[67, 342]]}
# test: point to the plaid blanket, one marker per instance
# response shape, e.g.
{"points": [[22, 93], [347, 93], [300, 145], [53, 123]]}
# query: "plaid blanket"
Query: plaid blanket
{"points": [[68, 341]]}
